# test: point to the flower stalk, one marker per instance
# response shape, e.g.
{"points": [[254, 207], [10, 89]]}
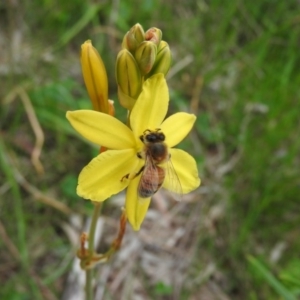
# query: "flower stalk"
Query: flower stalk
{"points": [[95, 78], [89, 272]]}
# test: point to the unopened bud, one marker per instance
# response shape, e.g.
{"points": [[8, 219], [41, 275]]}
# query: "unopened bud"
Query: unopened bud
{"points": [[95, 77], [125, 100], [145, 56], [163, 60], [133, 38], [128, 76], [153, 35]]}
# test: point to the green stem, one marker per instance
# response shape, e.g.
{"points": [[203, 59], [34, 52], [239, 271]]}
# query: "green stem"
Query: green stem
{"points": [[88, 284], [89, 273]]}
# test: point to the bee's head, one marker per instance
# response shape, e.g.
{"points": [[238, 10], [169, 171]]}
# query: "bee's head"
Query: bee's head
{"points": [[150, 136]]}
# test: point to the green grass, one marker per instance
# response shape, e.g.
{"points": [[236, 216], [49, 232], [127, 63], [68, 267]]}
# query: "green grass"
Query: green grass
{"points": [[247, 56]]}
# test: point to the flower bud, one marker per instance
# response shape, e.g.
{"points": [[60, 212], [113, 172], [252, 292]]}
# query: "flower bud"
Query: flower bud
{"points": [[145, 56], [163, 60], [128, 77], [133, 38], [125, 100], [153, 35], [94, 75]]}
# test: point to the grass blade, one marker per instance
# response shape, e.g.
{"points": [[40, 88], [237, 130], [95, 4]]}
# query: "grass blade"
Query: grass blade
{"points": [[270, 279]]}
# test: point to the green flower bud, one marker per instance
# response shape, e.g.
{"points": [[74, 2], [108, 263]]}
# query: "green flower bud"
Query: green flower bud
{"points": [[145, 56], [128, 75], [163, 60], [153, 35], [133, 38], [125, 100]]}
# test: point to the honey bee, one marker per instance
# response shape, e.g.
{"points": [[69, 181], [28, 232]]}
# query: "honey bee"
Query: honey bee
{"points": [[155, 152]]}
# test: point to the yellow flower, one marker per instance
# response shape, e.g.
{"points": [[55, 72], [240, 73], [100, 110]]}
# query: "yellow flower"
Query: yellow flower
{"points": [[117, 168]]}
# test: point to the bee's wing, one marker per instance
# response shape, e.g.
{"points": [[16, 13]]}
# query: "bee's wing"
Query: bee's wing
{"points": [[173, 184], [149, 181]]}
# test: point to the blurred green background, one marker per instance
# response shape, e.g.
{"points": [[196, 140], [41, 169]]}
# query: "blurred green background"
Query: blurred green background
{"points": [[235, 65]]}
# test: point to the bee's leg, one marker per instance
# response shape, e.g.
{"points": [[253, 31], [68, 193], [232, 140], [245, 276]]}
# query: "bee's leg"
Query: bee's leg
{"points": [[140, 171], [125, 176], [136, 174], [141, 155]]}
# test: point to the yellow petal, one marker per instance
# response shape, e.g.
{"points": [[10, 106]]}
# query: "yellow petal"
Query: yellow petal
{"points": [[151, 106], [101, 129], [135, 209], [186, 170], [104, 175], [176, 127]]}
